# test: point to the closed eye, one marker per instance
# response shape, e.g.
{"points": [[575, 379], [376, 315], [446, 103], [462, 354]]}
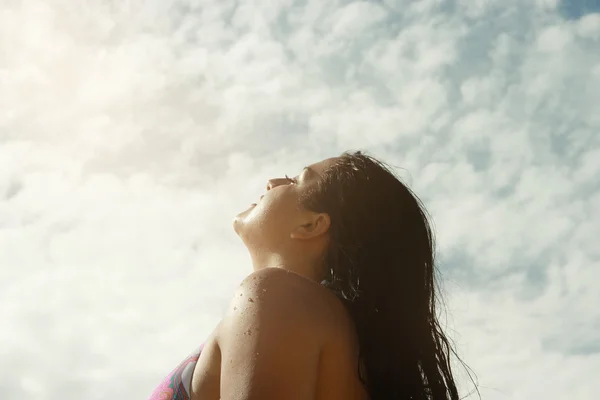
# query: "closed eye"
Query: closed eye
{"points": [[291, 180]]}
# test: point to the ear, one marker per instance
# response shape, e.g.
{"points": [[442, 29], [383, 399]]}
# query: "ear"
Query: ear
{"points": [[317, 225]]}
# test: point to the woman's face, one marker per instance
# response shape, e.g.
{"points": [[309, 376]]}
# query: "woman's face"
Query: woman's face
{"points": [[269, 223]]}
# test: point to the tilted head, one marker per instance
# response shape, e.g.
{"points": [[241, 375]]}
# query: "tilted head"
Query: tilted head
{"points": [[280, 230], [367, 238]]}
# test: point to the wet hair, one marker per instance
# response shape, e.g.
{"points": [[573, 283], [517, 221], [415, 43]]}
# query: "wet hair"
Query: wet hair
{"points": [[380, 263]]}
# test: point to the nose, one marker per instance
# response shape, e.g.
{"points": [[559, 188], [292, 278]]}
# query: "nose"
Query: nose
{"points": [[271, 183]]}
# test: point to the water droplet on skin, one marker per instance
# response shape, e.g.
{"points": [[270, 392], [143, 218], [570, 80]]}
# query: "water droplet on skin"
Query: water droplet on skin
{"points": [[250, 300], [234, 308]]}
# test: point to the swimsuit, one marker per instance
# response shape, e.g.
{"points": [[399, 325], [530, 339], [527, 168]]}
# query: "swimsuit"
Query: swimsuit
{"points": [[177, 385]]}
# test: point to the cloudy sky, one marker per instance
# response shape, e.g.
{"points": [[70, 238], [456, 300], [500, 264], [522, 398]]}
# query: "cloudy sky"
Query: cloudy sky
{"points": [[132, 131]]}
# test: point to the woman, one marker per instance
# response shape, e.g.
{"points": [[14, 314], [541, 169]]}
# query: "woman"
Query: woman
{"points": [[341, 303]]}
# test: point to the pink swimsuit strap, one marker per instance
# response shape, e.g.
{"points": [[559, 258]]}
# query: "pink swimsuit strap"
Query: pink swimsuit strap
{"points": [[177, 385]]}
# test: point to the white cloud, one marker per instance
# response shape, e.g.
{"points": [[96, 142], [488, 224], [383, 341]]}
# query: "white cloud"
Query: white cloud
{"points": [[354, 18], [554, 38], [589, 26], [132, 132]]}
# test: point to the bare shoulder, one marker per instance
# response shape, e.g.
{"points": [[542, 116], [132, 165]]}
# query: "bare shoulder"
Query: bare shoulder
{"points": [[270, 337], [283, 305], [274, 293], [277, 290]]}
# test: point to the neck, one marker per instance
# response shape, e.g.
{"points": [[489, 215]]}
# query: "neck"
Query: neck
{"points": [[300, 265]]}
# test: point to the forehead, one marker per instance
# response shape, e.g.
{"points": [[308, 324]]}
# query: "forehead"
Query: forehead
{"points": [[321, 166]]}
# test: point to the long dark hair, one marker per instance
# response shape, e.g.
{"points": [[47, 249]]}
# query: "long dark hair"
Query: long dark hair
{"points": [[380, 263]]}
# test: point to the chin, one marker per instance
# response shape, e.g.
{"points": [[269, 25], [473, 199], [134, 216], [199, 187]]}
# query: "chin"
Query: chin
{"points": [[238, 221], [237, 224], [242, 220]]}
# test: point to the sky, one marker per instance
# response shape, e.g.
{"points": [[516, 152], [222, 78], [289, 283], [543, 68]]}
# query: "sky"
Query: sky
{"points": [[132, 132]]}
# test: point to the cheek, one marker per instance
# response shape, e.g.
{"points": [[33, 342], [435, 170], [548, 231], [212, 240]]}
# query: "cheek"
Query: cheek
{"points": [[275, 211], [267, 210]]}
